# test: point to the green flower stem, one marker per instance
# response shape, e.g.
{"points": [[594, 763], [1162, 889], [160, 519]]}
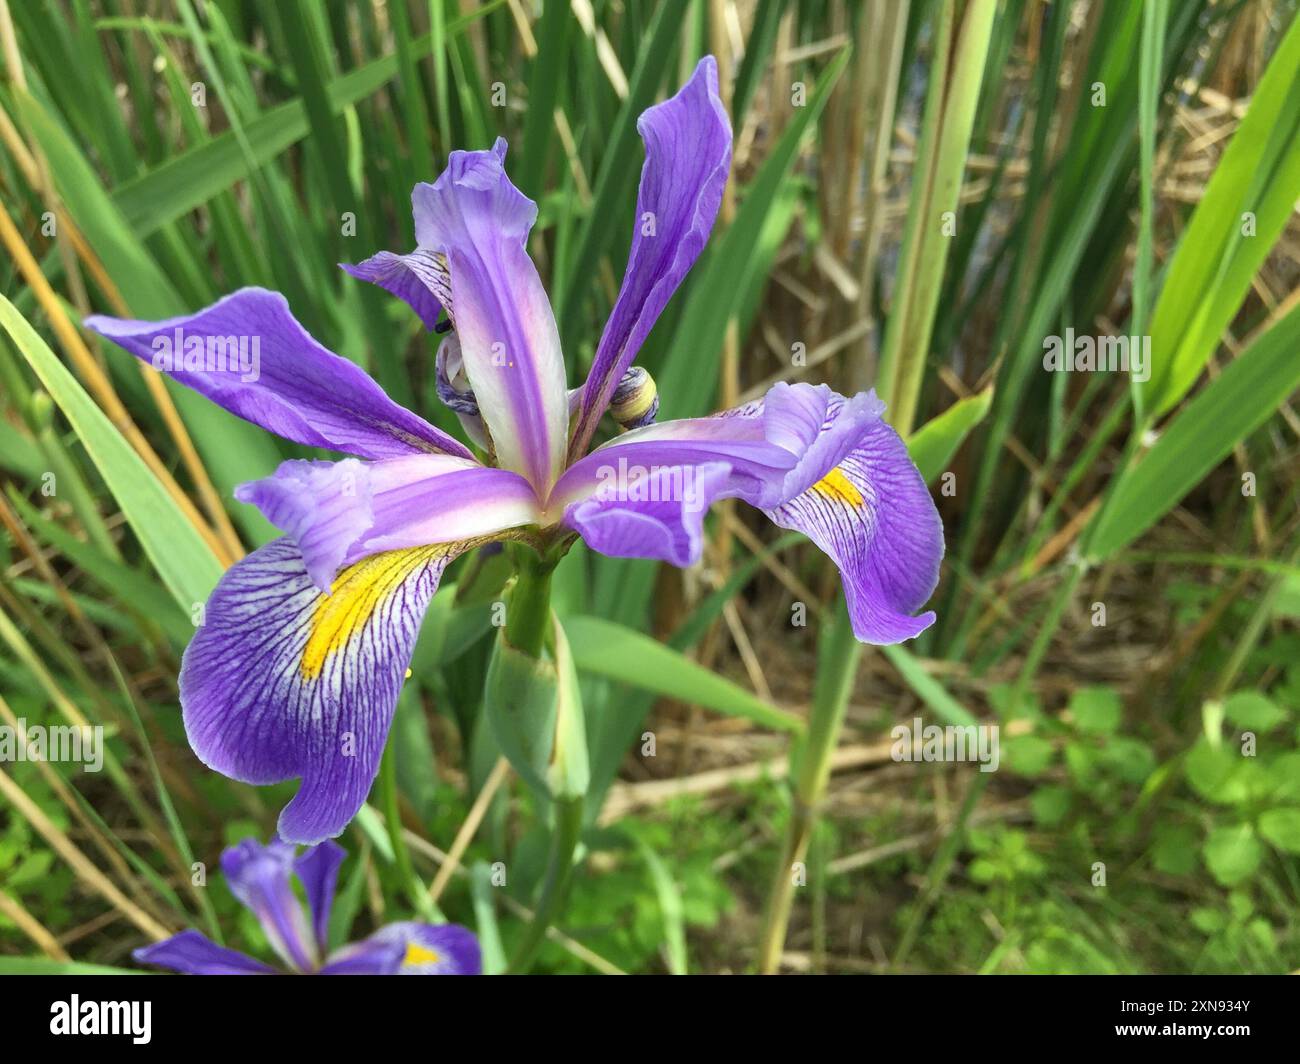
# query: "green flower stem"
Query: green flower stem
{"points": [[555, 887], [528, 618], [810, 770], [528, 626], [420, 901]]}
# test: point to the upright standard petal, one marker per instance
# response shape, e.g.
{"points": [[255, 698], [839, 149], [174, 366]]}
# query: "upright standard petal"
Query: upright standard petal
{"points": [[283, 681], [339, 512], [480, 222], [873, 514], [688, 157], [192, 953], [410, 948], [249, 355], [261, 878]]}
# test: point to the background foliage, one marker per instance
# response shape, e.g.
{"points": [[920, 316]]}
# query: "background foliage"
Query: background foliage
{"points": [[1116, 167]]}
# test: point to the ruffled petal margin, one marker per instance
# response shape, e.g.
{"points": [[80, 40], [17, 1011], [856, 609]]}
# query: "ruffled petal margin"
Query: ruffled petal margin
{"points": [[811, 460]]}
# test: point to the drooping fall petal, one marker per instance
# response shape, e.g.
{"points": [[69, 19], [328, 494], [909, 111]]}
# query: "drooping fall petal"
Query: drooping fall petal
{"points": [[810, 459], [874, 516], [283, 681], [410, 948]]}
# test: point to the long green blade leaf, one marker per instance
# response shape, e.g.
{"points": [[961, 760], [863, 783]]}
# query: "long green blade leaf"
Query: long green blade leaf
{"points": [[619, 653], [184, 562]]}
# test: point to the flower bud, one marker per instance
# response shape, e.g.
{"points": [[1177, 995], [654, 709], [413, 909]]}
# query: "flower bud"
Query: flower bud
{"points": [[636, 400]]}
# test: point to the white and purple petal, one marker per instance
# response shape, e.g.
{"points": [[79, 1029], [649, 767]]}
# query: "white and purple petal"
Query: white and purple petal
{"points": [[317, 869], [810, 459], [652, 513], [339, 512], [509, 343], [419, 278], [261, 877], [873, 514], [776, 446], [410, 948], [250, 356], [193, 953], [282, 681], [688, 158]]}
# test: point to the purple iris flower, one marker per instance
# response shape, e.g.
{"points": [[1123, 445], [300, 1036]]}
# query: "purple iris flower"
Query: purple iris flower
{"points": [[261, 877], [296, 671]]}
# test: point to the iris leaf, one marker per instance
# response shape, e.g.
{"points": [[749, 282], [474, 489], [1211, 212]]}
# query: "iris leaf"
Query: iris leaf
{"points": [[607, 649]]}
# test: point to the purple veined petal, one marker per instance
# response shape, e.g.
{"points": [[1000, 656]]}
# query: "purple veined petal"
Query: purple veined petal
{"points": [[318, 872], [818, 426], [776, 447], [810, 459], [249, 355], [418, 278], [261, 877], [192, 953], [654, 513], [873, 514], [324, 507], [644, 494], [338, 512], [688, 158], [509, 343], [282, 681], [410, 948], [757, 465]]}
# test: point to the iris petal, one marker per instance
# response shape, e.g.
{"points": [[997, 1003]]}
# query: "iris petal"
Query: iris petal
{"points": [[338, 512], [318, 872], [294, 388], [418, 278], [282, 681], [508, 340], [656, 514], [261, 878], [810, 459], [410, 948], [192, 953], [873, 514], [776, 446], [688, 158]]}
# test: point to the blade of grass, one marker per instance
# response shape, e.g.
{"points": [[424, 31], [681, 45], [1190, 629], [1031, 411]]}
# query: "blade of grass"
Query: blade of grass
{"points": [[937, 179], [1214, 264], [189, 180], [1199, 436], [187, 565]]}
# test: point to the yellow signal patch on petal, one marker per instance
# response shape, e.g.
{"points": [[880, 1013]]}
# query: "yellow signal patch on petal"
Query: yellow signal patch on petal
{"points": [[417, 954], [355, 594], [836, 487]]}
